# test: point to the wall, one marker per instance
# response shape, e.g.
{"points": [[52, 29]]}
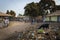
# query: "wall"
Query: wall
{"points": [[47, 19], [51, 18], [54, 18]]}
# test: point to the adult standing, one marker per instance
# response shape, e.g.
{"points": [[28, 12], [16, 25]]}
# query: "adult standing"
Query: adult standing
{"points": [[6, 22]]}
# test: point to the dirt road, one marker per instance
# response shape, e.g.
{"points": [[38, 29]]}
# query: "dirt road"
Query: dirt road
{"points": [[14, 26]]}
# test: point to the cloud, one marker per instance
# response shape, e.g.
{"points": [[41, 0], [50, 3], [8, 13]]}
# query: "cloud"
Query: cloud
{"points": [[57, 2]]}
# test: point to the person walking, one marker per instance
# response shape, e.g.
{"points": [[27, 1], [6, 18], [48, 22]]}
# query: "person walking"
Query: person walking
{"points": [[6, 22]]}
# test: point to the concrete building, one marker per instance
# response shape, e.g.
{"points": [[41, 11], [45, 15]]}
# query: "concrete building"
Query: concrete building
{"points": [[54, 17]]}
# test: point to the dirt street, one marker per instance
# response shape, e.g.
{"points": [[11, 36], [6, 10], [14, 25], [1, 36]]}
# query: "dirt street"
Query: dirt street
{"points": [[14, 26]]}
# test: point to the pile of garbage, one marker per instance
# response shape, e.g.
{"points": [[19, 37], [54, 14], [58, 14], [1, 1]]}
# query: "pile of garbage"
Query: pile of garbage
{"points": [[33, 33]]}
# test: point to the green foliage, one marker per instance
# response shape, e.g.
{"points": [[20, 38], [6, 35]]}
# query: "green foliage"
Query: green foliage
{"points": [[47, 4], [37, 9], [11, 13], [7, 12], [32, 9], [19, 14]]}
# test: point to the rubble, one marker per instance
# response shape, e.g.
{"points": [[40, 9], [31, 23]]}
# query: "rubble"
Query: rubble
{"points": [[32, 34]]}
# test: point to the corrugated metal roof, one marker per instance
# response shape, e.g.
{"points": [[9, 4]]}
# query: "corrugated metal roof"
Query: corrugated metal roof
{"points": [[57, 13], [3, 14]]}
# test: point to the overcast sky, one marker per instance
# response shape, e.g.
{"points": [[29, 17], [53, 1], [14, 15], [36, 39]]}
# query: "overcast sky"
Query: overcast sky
{"points": [[17, 5]]}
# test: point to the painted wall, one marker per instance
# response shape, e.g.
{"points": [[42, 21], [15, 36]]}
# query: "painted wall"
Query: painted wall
{"points": [[47, 19], [54, 18]]}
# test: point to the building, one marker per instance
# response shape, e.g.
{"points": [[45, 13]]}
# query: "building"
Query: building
{"points": [[54, 17], [3, 15], [23, 18]]}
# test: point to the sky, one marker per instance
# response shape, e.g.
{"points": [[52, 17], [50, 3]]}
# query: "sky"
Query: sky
{"points": [[17, 5]]}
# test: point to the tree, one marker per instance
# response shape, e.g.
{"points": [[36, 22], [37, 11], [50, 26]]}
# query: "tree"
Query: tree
{"points": [[19, 14], [7, 12], [32, 9], [12, 13], [42, 8], [47, 4]]}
